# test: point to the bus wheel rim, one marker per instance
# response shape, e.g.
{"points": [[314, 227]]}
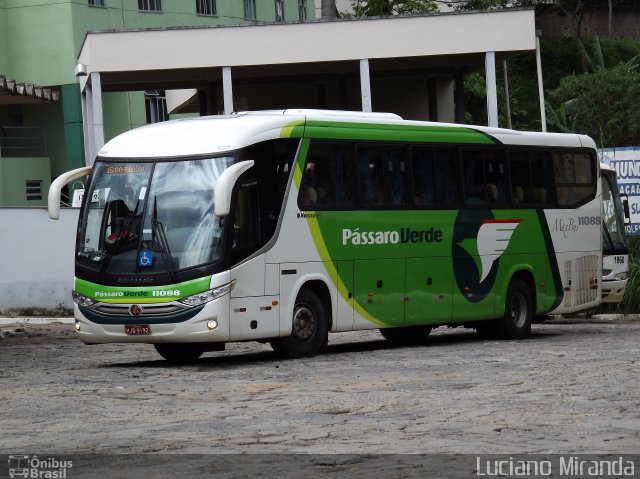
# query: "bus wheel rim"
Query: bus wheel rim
{"points": [[304, 323], [518, 311]]}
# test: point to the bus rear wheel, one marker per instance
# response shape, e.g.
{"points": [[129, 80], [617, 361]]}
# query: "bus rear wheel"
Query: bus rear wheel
{"points": [[407, 334], [518, 311], [179, 353], [309, 332]]}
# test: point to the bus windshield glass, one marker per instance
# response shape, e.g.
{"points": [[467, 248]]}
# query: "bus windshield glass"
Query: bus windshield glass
{"points": [[613, 234], [149, 218]]}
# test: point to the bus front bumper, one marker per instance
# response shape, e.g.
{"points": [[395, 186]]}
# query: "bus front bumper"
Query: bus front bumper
{"points": [[613, 291], [210, 324]]}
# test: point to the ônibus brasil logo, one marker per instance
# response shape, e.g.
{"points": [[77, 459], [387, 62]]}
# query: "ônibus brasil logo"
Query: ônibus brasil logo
{"points": [[32, 467]]}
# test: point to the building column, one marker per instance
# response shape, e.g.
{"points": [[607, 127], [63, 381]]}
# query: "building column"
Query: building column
{"points": [[97, 119], [89, 138], [543, 113], [458, 96], [227, 90], [84, 104], [365, 85], [492, 89], [507, 101]]}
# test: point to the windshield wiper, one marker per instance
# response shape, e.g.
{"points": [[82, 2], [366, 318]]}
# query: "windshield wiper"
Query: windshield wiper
{"points": [[158, 231]]}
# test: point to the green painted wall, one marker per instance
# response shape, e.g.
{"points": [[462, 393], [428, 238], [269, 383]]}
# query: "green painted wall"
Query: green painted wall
{"points": [[5, 64], [40, 41], [73, 135], [49, 116], [14, 173]]}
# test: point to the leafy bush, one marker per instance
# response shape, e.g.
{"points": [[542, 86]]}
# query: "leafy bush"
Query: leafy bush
{"points": [[631, 300]]}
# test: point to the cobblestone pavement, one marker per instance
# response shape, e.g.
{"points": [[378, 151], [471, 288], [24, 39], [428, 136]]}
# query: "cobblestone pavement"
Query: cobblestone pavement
{"points": [[572, 388]]}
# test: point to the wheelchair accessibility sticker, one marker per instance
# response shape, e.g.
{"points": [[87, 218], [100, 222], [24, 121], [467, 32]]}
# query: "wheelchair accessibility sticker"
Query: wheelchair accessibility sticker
{"points": [[145, 258]]}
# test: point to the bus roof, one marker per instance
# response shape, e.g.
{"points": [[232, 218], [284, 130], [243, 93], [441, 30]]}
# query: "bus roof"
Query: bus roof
{"points": [[218, 134]]}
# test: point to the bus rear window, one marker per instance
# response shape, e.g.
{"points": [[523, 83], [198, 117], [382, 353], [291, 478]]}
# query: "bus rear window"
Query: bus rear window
{"points": [[574, 177]]}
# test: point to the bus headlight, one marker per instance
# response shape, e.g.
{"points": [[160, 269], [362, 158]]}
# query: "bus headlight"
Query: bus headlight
{"points": [[81, 300], [620, 276], [207, 296]]}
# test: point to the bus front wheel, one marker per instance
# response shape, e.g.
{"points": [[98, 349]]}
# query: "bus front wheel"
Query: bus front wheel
{"points": [[179, 353], [309, 332], [518, 312]]}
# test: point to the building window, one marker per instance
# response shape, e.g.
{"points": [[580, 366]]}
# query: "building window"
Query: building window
{"points": [[34, 190], [96, 3], [279, 10], [155, 105], [206, 7], [250, 9], [302, 10], [150, 5]]}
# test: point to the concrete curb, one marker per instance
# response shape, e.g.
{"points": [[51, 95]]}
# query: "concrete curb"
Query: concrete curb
{"points": [[22, 320]]}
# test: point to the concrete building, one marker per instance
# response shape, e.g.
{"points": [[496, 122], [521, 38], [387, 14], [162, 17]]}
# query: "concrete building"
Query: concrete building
{"points": [[41, 136], [413, 66]]}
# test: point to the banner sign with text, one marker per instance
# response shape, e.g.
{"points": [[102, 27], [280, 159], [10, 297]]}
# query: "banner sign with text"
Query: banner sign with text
{"points": [[626, 162]]}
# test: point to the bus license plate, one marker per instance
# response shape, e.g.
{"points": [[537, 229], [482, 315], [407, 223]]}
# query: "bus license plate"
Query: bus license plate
{"points": [[137, 329]]}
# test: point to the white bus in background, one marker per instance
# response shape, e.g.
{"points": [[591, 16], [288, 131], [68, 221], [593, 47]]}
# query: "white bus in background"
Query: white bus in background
{"points": [[615, 252]]}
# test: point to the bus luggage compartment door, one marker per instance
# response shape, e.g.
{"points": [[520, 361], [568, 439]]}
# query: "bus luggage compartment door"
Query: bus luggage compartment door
{"points": [[379, 291], [428, 291]]}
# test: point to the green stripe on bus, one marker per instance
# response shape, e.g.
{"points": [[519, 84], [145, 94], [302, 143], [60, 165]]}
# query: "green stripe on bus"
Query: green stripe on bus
{"points": [[141, 294]]}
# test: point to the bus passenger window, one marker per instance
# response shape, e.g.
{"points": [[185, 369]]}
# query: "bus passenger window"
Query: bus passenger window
{"points": [[382, 175], [541, 171], [327, 179], [434, 178], [574, 178], [530, 172], [484, 177]]}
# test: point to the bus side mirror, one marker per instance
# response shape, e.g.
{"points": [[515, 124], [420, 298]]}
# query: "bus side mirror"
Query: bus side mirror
{"points": [[55, 190], [224, 187]]}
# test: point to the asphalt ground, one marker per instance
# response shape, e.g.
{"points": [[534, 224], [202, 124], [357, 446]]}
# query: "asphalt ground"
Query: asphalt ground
{"points": [[572, 388]]}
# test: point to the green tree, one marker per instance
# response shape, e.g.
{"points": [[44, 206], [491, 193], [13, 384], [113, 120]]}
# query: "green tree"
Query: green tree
{"points": [[604, 105], [382, 8]]}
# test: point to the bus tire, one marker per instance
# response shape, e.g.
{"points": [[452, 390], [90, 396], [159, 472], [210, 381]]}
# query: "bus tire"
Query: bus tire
{"points": [[309, 331], [518, 311], [407, 334], [179, 353]]}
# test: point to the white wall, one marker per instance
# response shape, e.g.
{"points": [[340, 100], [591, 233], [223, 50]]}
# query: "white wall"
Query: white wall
{"points": [[36, 261]]}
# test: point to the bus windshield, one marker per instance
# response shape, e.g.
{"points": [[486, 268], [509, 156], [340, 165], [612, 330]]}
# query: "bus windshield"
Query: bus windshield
{"points": [[146, 217], [613, 234]]}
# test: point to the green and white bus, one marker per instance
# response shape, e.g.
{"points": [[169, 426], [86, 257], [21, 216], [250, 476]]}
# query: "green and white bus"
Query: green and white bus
{"points": [[283, 226]]}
